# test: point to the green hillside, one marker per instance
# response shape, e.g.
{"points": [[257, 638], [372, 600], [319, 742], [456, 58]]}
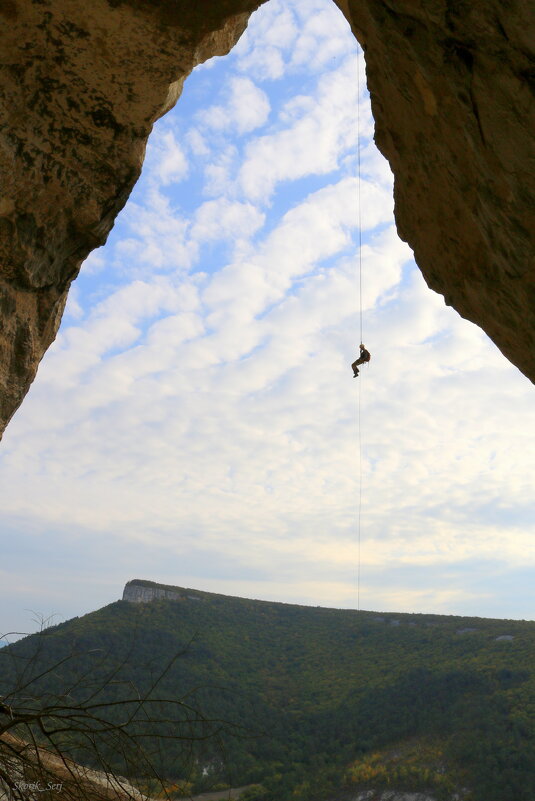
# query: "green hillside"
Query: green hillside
{"points": [[306, 701]]}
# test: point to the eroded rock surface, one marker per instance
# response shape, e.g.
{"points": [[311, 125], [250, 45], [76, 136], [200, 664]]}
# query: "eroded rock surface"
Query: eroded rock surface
{"points": [[142, 592], [35, 770], [81, 85], [452, 87]]}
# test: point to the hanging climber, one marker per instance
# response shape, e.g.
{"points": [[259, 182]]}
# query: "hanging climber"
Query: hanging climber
{"points": [[364, 357]]}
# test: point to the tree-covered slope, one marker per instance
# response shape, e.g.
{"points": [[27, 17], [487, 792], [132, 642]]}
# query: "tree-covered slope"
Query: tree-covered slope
{"points": [[310, 693]]}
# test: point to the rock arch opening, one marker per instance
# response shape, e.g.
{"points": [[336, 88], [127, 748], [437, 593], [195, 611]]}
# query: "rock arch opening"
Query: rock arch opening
{"points": [[172, 403], [453, 111]]}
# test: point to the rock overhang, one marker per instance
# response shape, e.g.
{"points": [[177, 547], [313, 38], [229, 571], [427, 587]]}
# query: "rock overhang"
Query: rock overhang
{"points": [[452, 97]]}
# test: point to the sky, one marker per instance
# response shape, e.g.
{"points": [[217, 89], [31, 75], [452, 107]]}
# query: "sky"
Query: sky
{"points": [[196, 420]]}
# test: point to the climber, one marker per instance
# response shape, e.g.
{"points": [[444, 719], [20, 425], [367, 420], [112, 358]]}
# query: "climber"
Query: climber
{"points": [[364, 357]]}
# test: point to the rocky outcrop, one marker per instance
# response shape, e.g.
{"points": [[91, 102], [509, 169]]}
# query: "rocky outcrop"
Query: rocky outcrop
{"points": [[28, 772], [141, 595], [452, 87], [142, 592], [81, 85]]}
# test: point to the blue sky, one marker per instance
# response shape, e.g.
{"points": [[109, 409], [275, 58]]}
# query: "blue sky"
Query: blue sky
{"points": [[195, 422]]}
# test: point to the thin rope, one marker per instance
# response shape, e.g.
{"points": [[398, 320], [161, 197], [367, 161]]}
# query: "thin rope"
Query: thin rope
{"points": [[360, 498], [359, 515], [358, 190]]}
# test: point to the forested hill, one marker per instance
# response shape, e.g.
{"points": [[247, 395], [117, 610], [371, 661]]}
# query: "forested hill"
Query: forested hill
{"points": [[317, 699]]}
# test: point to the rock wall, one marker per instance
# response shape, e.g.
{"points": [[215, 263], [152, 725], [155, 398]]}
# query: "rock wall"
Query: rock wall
{"points": [[39, 770], [81, 85], [452, 84], [141, 593]]}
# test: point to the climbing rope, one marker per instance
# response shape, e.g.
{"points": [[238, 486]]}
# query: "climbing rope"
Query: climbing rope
{"points": [[359, 514], [358, 191], [359, 498]]}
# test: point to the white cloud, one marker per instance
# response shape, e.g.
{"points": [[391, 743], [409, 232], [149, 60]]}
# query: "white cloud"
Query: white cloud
{"points": [[323, 38], [290, 37], [158, 238], [94, 263], [218, 173], [316, 133], [374, 167], [246, 108], [320, 227], [315, 230], [73, 308], [197, 143], [205, 423], [114, 324], [260, 50], [225, 219], [264, 63], [172, 165]]}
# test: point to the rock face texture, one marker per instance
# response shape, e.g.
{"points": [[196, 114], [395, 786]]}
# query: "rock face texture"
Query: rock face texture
{"points": [[81, 85], [452, 87], [140, 592], [39, 770]]}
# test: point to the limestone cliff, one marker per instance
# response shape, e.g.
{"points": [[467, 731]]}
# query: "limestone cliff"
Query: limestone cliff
{"points": [[452, 87], [142, 592], [81, 85]]}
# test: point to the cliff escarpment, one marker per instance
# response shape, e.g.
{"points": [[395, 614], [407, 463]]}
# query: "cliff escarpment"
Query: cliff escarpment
{"points": [[452, 88], [138, 591], [400, 707], [452, 95]]}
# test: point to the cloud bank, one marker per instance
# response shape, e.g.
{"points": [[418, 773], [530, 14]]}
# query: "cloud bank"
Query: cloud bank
{"points": [[195, 421]]}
